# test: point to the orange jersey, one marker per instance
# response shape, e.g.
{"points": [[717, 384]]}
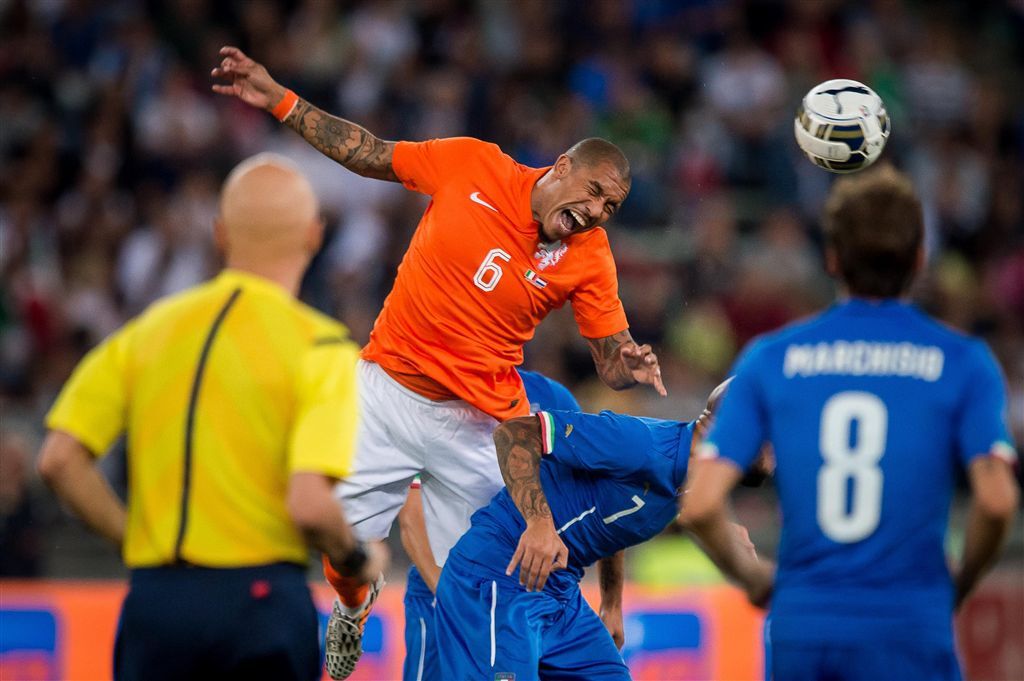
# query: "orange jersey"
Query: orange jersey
{"points": [[476, 280]]}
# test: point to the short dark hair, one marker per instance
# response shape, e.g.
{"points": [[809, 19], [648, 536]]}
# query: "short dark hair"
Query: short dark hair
{"points": [[596, 150], [874, 222]]}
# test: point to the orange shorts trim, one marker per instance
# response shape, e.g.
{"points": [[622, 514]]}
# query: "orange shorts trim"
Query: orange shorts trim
{"points": [[421, 385]]}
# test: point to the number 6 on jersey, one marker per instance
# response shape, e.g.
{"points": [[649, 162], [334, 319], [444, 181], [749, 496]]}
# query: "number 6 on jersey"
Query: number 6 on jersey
{"points": [[840, 518], [489, 273]]}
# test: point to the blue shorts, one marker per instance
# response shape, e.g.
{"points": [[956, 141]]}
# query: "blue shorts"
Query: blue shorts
{"points": [[421, 662], [867, 661], [209, 623], [489, 627]]}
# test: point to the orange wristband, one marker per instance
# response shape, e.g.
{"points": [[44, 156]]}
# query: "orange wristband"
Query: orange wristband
{"points": [[285, 106]]}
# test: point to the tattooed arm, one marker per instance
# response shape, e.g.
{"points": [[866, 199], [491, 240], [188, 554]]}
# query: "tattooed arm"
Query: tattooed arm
{"points": [[611, 573], [621, 363], [518, 442], [349, 144], [540, 549]]}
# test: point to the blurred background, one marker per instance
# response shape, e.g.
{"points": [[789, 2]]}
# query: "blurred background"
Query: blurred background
{"points": [[112, 149]]}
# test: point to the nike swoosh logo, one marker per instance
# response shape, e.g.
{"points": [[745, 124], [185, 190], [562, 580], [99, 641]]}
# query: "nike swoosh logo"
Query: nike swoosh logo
{"points": [[475, 198]]}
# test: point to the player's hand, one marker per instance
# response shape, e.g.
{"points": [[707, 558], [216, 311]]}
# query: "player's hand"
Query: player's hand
{"points": [[612, 618], [758, 581], [643, 365], [246, 80], [430, 577], [540, 551]]}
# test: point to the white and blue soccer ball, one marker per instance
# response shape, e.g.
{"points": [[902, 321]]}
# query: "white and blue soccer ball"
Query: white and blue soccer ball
{"points": [[841, 125]]}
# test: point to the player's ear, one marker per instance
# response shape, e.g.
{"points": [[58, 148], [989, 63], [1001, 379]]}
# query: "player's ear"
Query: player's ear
{"points": [[832, 262], [563, 166], [220, 237], [315, 235]]}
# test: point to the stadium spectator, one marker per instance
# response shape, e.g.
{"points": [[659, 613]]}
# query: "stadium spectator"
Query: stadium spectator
{"points": [[239, 408], [870, 409], [500, 246], [517, 58]]}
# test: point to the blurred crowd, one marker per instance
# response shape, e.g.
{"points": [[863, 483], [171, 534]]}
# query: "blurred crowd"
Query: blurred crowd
{"points": [[112, 148]]}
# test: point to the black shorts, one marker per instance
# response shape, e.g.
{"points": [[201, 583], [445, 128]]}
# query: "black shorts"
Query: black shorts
{"points": [[209, 623]]}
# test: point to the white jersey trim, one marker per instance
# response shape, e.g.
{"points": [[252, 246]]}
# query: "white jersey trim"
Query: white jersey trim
{"points": [[494, 605]]}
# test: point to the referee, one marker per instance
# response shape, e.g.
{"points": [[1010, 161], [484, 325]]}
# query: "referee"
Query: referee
{"points": [[239, 407]]}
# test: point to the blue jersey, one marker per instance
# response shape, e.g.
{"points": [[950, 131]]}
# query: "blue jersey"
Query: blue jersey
{"points": [[546, 394], [611, 481], [871, 408], [421, 662], [543, 393]]}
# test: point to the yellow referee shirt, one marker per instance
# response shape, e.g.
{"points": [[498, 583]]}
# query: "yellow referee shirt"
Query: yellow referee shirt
{"points": [[224, 391]]}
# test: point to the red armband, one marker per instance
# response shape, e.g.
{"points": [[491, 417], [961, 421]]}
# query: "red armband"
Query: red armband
{"points": [[285, 106]]}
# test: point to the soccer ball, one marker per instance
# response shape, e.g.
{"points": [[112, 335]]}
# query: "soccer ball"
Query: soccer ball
{"points": [[841, 125]]}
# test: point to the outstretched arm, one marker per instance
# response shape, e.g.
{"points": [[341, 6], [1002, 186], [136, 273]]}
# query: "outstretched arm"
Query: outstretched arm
{"points": [[621, 363], [705, 514], [540, 550], [349, 144]]}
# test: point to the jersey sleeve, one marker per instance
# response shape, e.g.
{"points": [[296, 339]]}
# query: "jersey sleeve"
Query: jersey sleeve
{"points": [[595, 303], [982, 428], [93, 405], [741, 425], [327, 410], [610, 444], [426, 166]]}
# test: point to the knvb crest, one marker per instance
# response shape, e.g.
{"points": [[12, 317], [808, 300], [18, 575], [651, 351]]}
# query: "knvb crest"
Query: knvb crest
{"points": [[549, 255]]}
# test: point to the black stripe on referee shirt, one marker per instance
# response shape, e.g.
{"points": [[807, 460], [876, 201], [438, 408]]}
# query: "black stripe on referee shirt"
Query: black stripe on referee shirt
{"points": [[329, 340], [190, 419]]}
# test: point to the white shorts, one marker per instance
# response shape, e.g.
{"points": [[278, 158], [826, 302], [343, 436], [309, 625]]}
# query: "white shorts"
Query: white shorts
{"points": [[403, 434]]}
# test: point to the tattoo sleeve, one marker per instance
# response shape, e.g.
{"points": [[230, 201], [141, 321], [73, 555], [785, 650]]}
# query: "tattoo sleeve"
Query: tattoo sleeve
{"points": [[519, 450], [349, 144], [608, 360]]}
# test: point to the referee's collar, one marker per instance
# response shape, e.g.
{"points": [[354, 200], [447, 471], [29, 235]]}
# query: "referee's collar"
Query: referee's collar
{"points": [[232, 277]]}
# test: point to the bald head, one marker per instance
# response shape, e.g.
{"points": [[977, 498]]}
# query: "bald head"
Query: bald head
{"points": [[594, 151], [268, 211]]}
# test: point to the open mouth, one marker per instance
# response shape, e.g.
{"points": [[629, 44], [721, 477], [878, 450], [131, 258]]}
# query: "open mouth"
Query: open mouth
{"points": [[569, 221]]}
